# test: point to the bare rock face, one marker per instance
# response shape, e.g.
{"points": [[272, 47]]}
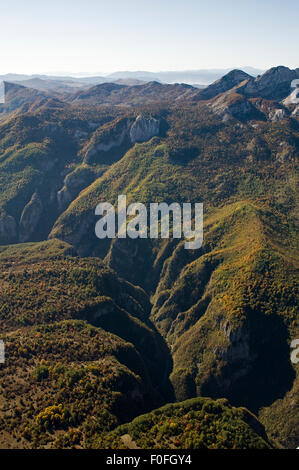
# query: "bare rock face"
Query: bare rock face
{"points": [[293, 98], [296, 111], [8, 229], [144, 128], [74, 182], [229, 81], [277, 115], [114, 139], [272, 110], [239, 343], [286, 152], [123, 132], [232, 105], [64, 198], [274, 84], [30, 218]]}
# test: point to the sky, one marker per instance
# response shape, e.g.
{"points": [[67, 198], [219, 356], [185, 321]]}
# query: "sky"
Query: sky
{"points": [[102, 36]]}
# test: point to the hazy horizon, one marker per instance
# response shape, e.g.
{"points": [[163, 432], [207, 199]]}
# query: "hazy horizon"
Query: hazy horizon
{"points": [[150, 71], [100, 38]]}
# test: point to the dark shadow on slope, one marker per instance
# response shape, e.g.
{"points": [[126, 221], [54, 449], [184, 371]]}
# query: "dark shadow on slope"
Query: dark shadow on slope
{"points": [[146, 339], [269, 374], [111, 156]]}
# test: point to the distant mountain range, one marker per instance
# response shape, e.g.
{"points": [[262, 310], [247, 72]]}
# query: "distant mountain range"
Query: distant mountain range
{"points": [[231, 92], [193, 77], [203, 77]]}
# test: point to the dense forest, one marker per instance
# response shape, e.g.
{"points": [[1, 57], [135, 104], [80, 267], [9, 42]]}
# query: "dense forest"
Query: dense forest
{"points": [[122, 343]]}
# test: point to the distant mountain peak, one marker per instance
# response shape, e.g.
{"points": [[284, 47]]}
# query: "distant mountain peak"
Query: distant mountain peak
{"points": [[275, 83], [225, 83], [277, 69]]}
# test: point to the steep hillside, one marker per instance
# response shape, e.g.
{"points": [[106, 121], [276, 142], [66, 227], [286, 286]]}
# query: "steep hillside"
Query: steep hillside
{"points": [[273, 84], [45, 162], [194, 424], [110, 371], [71, 381], [104, 330], [227, 311], [20, 99], [225, 83]]}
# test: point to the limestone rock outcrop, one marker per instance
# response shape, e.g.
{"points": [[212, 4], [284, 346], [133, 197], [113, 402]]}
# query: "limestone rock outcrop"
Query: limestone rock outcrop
{"points": [[124, 132], [296, 111], [293, 98], [30, 218], [232, 105], [114, 137], [144, 128], [277, 115], [274, 84], [74, 182]]}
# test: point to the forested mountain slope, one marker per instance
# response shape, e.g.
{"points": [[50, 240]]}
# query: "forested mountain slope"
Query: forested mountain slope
{"points": [[146, 321]]}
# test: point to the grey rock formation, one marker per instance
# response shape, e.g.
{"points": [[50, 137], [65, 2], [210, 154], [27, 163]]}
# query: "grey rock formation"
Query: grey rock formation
{"points": [[274, 84], [229, 106], [114, 141], [277, 115], [272, 110], [127, 131], [229, 81], [293, 98], [74, 182], [286, 152], [239, 343], [296, 111], [64, 198], [144, 128], [30, 218]]}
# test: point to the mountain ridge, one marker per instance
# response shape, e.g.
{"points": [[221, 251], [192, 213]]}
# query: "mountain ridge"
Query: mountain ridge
{"points": [[106, 330]]}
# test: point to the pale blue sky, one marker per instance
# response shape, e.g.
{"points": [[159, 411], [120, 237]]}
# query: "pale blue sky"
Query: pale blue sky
{"points": [[97, 36]]}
